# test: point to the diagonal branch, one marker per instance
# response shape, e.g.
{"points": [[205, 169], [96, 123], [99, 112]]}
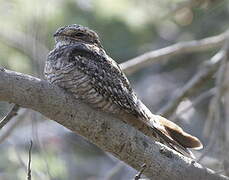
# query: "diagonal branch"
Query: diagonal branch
{"points": [[151, 57], [26, 44], [104, 130], [207, 94], [196, 81], [10, 115]]}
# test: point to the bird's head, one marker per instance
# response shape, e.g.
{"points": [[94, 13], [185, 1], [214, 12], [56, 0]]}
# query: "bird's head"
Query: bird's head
{"points": [[76, 33]]}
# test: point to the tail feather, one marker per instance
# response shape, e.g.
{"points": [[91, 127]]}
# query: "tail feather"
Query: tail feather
{"points": [[166, 132], [173, 144], [175, 137], [177, 133]]}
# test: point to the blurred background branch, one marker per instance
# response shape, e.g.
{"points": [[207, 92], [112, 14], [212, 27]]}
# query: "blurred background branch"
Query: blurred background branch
{"points": [[148, 58], [205, 72], [28, 45], [9, 116]]}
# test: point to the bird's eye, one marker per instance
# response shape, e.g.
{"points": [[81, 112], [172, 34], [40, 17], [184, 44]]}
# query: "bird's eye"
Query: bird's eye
{"points": [[79, 34]]}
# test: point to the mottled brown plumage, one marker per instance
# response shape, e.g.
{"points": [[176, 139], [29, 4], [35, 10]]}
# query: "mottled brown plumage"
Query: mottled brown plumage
{"points": [[79, 64]]}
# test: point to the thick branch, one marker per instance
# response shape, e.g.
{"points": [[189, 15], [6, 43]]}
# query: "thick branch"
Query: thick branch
{"points": [[151, 57], [109, 133]]}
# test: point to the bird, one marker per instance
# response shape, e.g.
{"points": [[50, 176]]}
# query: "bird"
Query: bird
{"points": [[80, 65]]}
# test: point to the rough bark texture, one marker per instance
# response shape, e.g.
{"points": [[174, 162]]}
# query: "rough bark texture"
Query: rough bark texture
{"points": [[107, 132]]}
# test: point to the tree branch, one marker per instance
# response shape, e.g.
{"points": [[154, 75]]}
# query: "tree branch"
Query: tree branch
{"points": [[208, 69], [26, 44], [10, 115], [197, 100], [29, 162], [102, 129], [151, 57]]}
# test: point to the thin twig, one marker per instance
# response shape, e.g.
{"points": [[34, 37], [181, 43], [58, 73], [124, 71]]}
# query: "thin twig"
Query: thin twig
{"points": [[196, 101], [214, 111], [13, 112], [22, 164], [29, 163], [215, 105], [194, 83], [138, 176], [40, 146], [151, 57], [226, 115], [14, 123]]}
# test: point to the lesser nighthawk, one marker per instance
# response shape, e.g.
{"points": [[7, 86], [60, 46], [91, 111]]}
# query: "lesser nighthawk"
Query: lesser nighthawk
{"points": [[79, 64]]}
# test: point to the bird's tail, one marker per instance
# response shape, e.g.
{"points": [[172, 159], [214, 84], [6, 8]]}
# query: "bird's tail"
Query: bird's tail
{"points": [[173, 136], [166, 132]]}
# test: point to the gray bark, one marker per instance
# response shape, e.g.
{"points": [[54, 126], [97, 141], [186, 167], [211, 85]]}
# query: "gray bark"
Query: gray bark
{"points": [[104, 130]]}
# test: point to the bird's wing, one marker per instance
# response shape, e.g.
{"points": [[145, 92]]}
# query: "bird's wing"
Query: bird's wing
{"points": [[105, 76]]}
